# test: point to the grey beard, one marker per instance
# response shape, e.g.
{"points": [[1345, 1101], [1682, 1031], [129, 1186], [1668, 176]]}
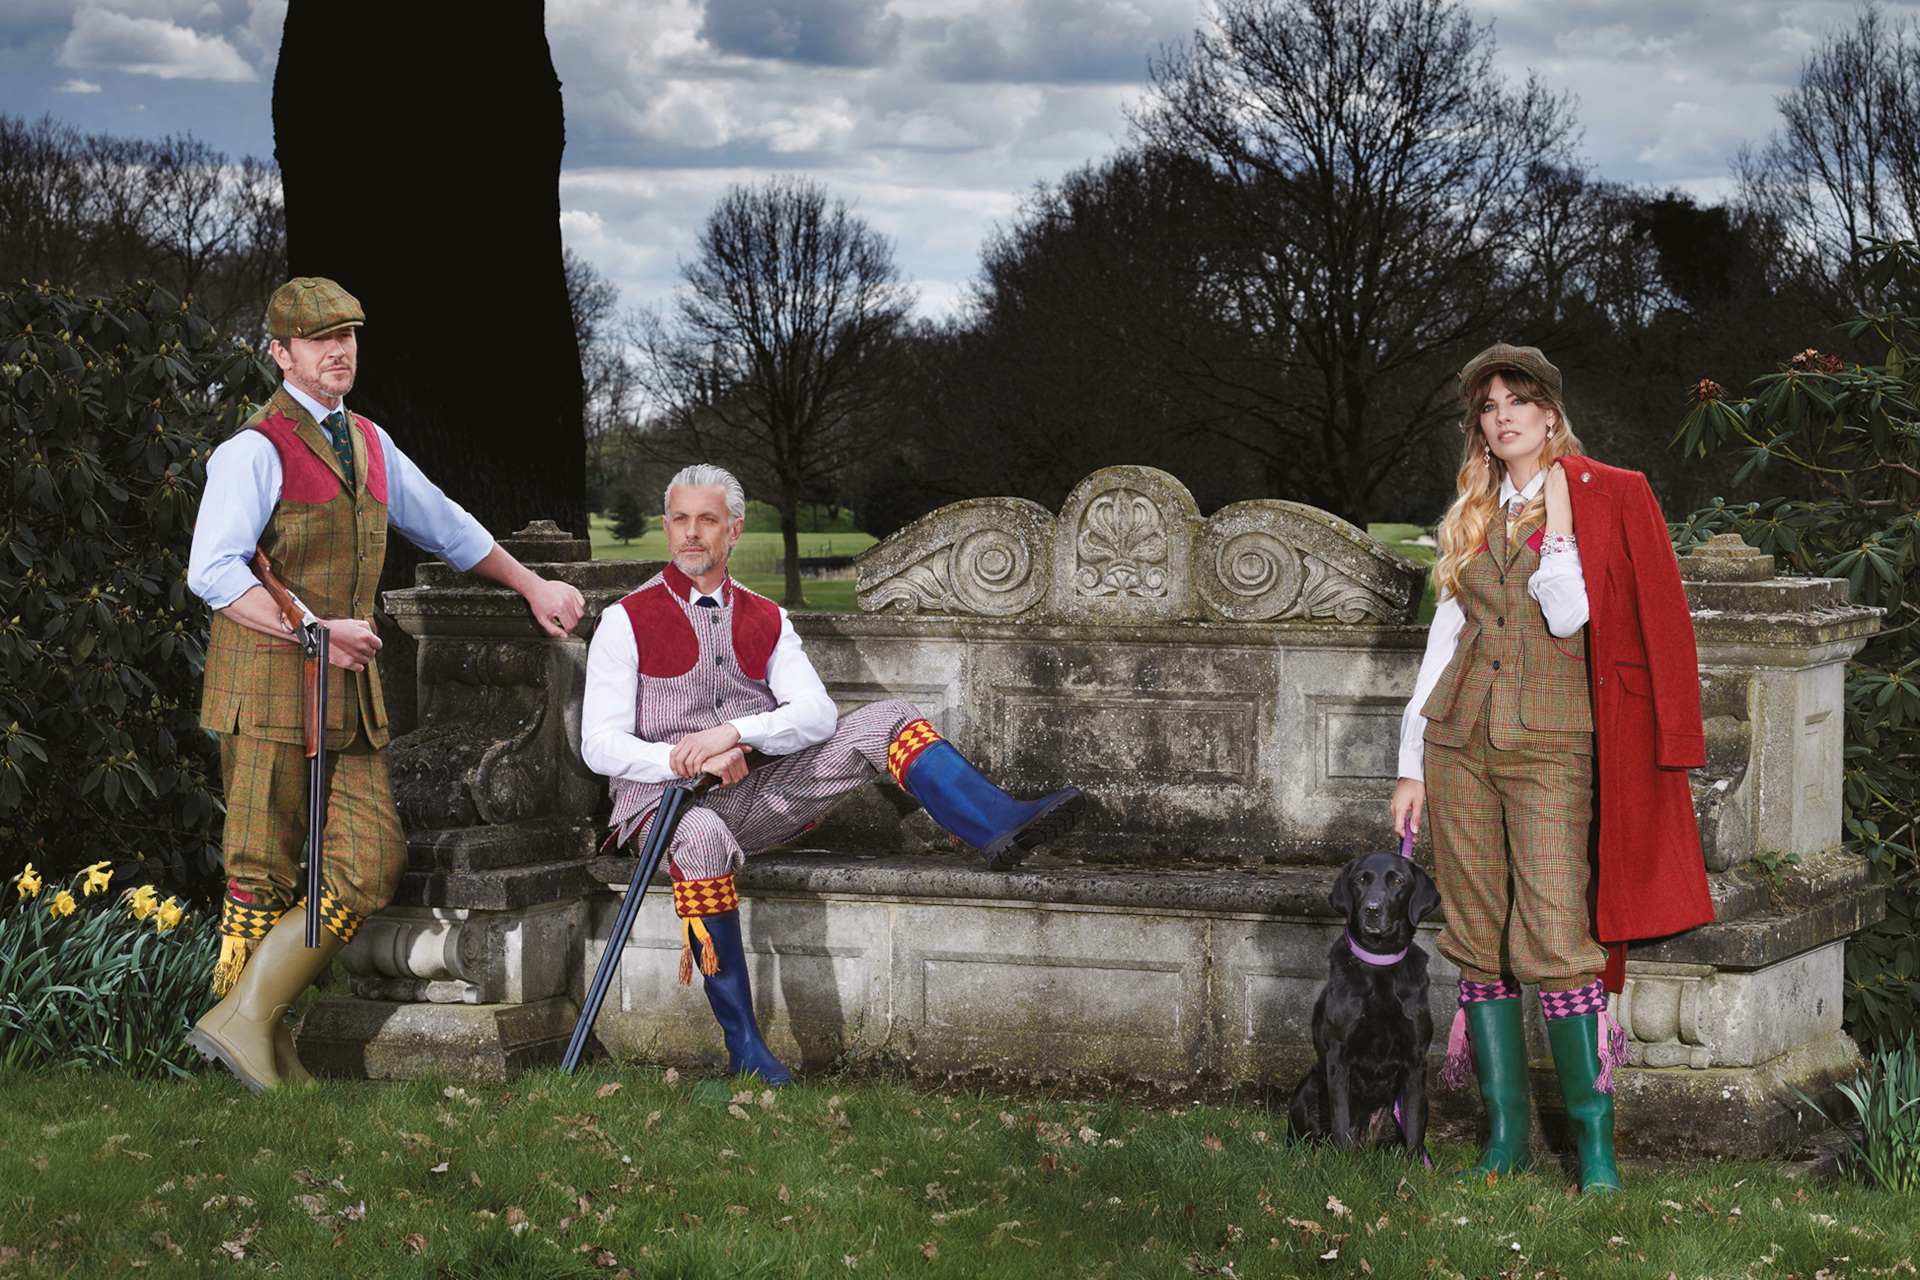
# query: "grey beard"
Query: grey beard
{"points": [[705, 567], [316, 392]]}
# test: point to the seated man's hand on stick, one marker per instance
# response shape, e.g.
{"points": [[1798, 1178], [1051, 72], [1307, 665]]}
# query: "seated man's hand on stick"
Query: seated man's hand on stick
{"points": [[691, 754]]}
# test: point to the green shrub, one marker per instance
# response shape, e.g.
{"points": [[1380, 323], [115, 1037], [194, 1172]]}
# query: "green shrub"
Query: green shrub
{"points": [[1886, 1099], [1848, 432], [114, 983], [108, 410]]}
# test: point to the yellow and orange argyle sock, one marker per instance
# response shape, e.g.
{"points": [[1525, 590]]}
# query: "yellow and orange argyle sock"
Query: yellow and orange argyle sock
{"points": [[693, 902], [337, 919], [245, 918], [914, 737]]}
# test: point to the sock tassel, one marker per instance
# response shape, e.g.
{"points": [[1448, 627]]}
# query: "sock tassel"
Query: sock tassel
{"points": [[690, 928], [1459, 1065], [235, 951], [1613, 1050]]}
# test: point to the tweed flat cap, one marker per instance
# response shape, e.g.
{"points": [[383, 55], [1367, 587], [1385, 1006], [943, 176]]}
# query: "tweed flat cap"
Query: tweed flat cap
{"points": [[311, 307], [1528, 360]]}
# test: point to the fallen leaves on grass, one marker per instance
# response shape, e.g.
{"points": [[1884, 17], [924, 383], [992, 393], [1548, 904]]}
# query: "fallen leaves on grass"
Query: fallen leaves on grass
{"points": [[236, 1248], [314, 1206], [608, 1090], [417, 1243], [223, 1201], [930, 1250]]}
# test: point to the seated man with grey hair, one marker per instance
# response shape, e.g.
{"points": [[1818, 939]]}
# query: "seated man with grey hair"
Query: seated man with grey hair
{"points": [[692, 671]]}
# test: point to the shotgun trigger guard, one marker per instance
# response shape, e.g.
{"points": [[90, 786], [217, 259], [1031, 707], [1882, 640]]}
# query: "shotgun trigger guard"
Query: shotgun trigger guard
{"points": [[310, 638]]}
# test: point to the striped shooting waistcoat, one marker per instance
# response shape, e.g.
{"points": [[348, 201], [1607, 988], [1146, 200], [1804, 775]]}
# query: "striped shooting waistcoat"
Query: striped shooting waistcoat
{"points": [[698, 668], [327, 544], [1532, 684]]}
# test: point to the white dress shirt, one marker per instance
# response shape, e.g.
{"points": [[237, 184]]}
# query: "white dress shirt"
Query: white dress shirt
{"points": [[243, 486], [1557, 586], [805, 717]]}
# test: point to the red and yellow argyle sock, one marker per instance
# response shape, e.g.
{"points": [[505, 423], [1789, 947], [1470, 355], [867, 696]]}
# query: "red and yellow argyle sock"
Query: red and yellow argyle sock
{"points": [[337, 919], [693, 902], [914, 737], [245, 918]]}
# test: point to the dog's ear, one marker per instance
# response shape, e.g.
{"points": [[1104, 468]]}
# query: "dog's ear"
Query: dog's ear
{"points": [[1341, 895], [1426, 896]]}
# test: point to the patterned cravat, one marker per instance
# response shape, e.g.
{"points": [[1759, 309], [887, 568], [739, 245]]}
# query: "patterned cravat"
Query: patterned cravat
{"points": [[335, 425]]}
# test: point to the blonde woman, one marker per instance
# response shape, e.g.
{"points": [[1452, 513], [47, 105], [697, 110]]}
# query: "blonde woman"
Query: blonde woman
{"points": [[1562, 636]]}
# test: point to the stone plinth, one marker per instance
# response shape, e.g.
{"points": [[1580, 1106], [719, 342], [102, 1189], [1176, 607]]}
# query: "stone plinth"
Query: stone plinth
{"points": [[469, 969], [1773, 655]]}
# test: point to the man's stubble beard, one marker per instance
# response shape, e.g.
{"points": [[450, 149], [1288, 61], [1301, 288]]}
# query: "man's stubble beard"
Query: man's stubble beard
{"points": [[321, 393], [705, 566]]}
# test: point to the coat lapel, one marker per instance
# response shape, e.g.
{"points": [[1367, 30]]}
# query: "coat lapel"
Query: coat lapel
{"points": [[1497, 536]]}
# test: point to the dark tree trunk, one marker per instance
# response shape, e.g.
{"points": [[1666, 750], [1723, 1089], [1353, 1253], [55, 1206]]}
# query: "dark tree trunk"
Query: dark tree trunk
{"points": [[790, 540], [425, 180]]}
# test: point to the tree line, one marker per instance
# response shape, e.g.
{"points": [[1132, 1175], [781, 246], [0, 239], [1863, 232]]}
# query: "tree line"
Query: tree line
{"points": [[1320, 209]]}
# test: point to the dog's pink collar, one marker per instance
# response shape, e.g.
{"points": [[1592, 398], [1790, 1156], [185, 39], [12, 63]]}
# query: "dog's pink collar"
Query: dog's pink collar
{"points": [[1373, 957]]}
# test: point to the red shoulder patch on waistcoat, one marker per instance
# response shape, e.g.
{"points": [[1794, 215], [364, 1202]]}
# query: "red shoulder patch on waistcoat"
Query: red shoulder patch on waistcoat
{"points": [[304, 475], [661, 633], [756, 630], [1539, 537], [376, 459]]}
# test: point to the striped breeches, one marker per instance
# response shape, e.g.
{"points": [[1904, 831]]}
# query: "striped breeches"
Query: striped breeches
{"points": [[779, 801]]}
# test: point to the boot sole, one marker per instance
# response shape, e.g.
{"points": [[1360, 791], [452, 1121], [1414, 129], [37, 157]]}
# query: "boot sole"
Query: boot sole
{"points": [[215, 1052], [1046, 826]]}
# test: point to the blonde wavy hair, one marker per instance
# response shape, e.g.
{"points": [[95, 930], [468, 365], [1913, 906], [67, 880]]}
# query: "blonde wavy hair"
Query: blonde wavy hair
{"points": [[1465, 527]]}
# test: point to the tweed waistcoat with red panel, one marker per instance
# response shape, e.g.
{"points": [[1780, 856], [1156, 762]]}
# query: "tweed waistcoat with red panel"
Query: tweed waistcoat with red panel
{"points": [[1536, 681], [327, 544], [698, 667]]}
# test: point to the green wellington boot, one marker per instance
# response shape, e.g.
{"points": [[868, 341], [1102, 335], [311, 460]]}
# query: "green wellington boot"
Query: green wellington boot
{"points": [[1500, 1060], [1576, 1056], [240, 1032]]}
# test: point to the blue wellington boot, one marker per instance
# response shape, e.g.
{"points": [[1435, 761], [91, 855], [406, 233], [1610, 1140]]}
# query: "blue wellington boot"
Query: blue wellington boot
{"points": [[731, 996], [1003, 829]]}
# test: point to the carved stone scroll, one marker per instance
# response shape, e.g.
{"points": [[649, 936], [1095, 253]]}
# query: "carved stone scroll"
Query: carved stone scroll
{"points": [[1129, 546]]}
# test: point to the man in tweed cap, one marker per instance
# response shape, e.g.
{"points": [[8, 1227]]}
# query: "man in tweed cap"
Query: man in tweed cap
{"points": [[316, 488], [692, 671]]}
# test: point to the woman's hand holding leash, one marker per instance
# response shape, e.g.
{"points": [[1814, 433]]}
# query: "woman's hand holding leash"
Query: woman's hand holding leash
{"points": [[1409, 798]]}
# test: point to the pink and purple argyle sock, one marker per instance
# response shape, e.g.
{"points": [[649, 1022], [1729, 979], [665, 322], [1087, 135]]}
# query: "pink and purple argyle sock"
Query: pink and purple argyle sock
{"points": [[1458, 1067], [1579, 1003]]}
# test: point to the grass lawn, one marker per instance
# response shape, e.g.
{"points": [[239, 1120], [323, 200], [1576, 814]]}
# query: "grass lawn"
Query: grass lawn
{"points": [[753, 561], [632, 1172]]}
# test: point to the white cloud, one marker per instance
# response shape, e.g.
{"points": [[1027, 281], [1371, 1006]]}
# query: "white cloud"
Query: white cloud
{"points": [[104, 40], [77, 85]]}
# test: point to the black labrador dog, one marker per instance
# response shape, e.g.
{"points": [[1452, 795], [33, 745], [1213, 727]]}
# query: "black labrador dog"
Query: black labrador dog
{"points": [[1371, 1025]]}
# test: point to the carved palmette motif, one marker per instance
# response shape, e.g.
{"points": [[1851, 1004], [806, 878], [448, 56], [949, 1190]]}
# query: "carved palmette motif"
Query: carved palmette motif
{"points": [[1128, 546]]}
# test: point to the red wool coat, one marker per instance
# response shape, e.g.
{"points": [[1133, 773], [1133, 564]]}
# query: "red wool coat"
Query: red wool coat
{"points": [[1645, 675]]}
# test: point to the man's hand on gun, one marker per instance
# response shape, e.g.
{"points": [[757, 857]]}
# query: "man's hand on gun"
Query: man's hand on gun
{"points": [[351, 643], [716, 751]]}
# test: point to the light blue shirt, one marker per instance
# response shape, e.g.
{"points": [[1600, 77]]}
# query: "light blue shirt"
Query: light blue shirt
{"points": [[243, 487]]}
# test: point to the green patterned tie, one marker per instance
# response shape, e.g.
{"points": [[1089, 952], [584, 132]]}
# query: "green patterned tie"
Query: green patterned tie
{"points": [[336, 428]]}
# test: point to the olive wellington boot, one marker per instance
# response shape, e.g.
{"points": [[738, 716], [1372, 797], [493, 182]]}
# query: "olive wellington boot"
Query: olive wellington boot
{"points": [[239, 1032], [1576, 1056], [1500, 1061]]}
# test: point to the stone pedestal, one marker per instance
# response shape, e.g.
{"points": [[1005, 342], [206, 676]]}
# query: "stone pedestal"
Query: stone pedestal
{"points": [[468, 972]]}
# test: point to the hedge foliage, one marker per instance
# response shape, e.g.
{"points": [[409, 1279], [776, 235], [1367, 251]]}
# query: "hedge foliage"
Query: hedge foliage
{"points": [[108, 411], [1851, 433]]}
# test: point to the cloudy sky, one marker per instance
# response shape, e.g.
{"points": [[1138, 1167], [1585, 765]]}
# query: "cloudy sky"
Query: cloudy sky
{"points": [[931, 116]]}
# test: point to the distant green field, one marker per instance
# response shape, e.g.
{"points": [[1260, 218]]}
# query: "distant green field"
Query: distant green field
{"points": [[753, 561], [1400, 538]]}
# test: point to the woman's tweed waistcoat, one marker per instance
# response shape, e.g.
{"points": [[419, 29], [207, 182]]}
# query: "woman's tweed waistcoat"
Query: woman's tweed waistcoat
{"points": [[698, 668], [327, 544], [1537, 682]]}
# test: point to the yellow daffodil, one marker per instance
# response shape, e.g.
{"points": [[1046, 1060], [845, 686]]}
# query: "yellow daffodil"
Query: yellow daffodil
{"points": [[27, 882], [167, 915], [143, 901], [62, 904], [97, 879]]}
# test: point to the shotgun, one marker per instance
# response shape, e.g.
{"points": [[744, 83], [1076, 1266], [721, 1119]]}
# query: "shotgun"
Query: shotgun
{"points": [[312, 637]]}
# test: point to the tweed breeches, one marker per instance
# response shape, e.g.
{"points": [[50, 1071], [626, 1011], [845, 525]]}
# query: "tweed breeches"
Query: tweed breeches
{"points": [[779, 801], [1510, 846], [266, 827]]}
